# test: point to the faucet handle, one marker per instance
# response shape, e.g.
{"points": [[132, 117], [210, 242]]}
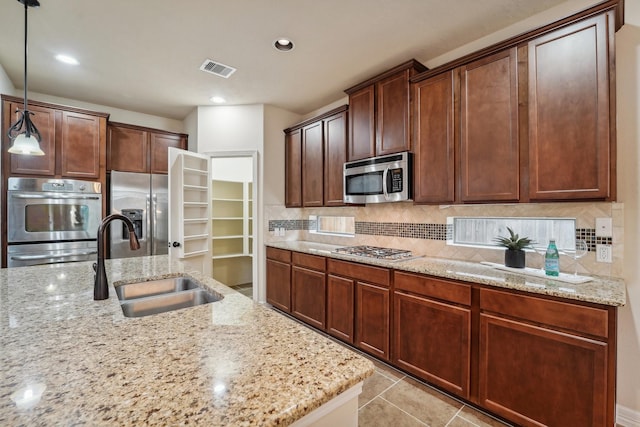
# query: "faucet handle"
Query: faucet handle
{"points": [[95, 267]]}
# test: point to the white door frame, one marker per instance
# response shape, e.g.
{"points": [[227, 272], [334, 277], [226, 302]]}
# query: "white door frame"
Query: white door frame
{"points": [[259, 290]]}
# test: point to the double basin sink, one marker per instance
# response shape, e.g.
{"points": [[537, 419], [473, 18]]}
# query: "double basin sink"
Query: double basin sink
{"points": [[159, 296]]}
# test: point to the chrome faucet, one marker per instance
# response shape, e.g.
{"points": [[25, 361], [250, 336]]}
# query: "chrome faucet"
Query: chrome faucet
{"points": [[101, 287]]}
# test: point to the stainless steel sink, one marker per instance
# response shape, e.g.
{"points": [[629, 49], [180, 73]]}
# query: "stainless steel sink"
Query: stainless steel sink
{"points": [[155, 287], [159, 296]]}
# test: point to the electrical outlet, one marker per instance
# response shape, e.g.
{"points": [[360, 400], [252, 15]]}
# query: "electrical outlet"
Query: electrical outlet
{"points": [[603, 253], [282, 230]]}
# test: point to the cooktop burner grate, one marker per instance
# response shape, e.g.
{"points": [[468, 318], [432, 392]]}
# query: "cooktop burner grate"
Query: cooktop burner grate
{"points": [[376, 252]]}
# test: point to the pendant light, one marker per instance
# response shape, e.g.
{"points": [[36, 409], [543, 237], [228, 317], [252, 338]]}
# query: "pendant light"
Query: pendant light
{"points": [[23, 133]]}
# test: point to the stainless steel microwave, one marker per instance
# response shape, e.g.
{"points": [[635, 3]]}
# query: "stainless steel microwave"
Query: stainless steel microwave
{"points": [[379, 179]]}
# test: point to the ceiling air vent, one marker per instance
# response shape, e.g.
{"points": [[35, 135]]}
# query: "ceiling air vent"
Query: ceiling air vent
{"points": [[217, 68]]}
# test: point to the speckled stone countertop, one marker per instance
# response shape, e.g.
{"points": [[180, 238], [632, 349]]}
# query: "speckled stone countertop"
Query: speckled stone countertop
{"points": [[601, 290], [69, 360]]}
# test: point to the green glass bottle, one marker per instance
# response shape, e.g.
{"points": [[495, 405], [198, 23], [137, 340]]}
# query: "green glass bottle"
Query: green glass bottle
{"points": [[552, 260]]}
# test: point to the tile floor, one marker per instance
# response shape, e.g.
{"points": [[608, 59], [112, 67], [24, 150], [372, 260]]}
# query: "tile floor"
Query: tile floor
{"points": [[245, 289], [391, 398]]}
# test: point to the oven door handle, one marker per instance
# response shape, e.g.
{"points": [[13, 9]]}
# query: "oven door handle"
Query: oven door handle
{"points": [[385, 191], [56, 196], [63, 255]]}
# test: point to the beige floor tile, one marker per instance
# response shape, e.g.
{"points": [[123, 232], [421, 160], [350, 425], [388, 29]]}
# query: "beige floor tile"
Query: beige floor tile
{"points": [[387, 370], [380, 413], [460, 422], [424, 403], [478, 418], [372, 387]]}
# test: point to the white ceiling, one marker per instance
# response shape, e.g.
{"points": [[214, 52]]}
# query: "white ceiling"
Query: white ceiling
{"points": [[144, 55]]}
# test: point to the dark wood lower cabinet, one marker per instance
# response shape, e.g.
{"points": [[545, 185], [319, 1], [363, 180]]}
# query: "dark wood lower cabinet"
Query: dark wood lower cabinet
{"points": [[279, 278], [308, 296], [533, 360], [432, 340], [372, 319], [340, 308], [537, 376]]}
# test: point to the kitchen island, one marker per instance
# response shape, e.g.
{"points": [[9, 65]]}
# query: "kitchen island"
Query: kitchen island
{"points": [[67, 359]]}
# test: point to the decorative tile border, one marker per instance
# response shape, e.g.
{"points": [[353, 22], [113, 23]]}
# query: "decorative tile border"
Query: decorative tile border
{"points": [[425, 231]]}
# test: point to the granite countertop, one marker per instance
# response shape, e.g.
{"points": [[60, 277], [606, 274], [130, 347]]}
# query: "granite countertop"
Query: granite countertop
{"points": [[601, 290], [67, 359]]}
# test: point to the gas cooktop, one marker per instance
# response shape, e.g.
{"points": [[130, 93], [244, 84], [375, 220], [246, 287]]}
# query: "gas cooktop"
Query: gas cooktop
{"points": [[389, 254]]}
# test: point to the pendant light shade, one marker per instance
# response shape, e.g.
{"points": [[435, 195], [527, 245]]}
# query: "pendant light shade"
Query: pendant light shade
{"points": [[23, 133]]}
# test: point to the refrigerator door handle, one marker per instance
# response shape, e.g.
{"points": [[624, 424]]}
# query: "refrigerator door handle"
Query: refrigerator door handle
{"points": [[154, 223], [150, 225]]}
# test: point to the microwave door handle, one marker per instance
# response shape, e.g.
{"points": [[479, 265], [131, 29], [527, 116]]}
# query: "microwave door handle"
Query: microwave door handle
{"points": [[384, 183]]}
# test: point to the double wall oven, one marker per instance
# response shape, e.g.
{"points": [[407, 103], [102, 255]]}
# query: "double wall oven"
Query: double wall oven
{"points": [[52, 220]]}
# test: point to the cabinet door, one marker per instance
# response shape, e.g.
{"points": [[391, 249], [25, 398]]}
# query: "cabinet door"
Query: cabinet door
{"points": [[489, 149], [569, 121], [372, 319], [537, 376], [312, 165], [335, 154], [434, 143], [392, 117], [340, 304], [279, 284], [45, 121], [80, 148], [432, 340], [308, 296], [128, 149], [293, 168], [362, 141], [159, 144]]}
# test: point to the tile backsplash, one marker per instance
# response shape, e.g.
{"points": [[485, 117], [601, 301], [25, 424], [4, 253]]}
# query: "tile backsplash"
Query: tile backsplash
{"points": [[423, 229]]}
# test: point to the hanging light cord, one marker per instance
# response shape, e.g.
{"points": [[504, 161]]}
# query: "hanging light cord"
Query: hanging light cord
{"points": [[30, 128]]}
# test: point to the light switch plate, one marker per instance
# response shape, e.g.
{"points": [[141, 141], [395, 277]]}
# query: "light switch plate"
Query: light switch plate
{"points": [[604, 227]]}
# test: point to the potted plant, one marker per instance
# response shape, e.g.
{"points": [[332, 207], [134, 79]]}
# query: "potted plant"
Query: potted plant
{"points": [[514, 256]]}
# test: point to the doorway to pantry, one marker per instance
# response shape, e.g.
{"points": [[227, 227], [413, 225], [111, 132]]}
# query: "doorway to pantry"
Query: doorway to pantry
{"points": [[233, 207]]}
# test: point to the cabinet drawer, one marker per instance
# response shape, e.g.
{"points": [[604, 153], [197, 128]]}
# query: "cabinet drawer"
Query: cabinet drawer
{"points": [[377, 275], [431, 287], [279, 254], [578, 318], [313, 262]]}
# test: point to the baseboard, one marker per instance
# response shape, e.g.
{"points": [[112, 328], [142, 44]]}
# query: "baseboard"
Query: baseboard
{"points": [[626, 417]]}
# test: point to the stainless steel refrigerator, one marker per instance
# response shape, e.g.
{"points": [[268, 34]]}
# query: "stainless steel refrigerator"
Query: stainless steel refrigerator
{"points": [[143, 198]]}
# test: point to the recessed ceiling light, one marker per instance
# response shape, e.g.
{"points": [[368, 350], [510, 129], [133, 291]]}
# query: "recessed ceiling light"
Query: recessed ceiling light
{"points": [[67, 59], [283, 44], [217, 100]]}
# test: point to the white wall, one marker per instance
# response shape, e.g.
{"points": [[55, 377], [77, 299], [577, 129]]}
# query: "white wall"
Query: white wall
{"points": [[236, 169], [230, 128], [190, 124], [628, 129], [6, 87]]}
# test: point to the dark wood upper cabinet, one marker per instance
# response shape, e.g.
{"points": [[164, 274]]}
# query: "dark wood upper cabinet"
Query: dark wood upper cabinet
{"points": [[379, 113], [571, 148], [489, 149], [434, 139], [293, 168], [45, 121], [127, 149], [159, 150], [315, 152], [82, 154], [312, 165], [139, 149], [531, 118], [335, 154], [73, 141], [362, 124]]}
